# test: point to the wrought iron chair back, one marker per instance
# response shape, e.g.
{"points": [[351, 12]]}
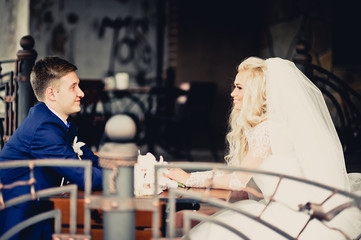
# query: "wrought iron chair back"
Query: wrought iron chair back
{"points": [[8, 86], [344, 105], [33, 194], [15, 90]]}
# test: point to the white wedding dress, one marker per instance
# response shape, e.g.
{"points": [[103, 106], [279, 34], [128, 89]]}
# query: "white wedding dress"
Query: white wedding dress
{"points": [[283, 212], [298, 139]]}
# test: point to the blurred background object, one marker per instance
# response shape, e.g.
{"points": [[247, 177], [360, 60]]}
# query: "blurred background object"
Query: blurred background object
{"points": [[157, 46]]}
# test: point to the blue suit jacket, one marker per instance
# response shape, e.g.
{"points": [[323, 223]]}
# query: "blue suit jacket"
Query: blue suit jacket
{"points": [[41, 135]]}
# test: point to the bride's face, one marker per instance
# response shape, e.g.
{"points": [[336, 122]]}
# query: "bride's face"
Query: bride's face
{"points": [[240, 84]]}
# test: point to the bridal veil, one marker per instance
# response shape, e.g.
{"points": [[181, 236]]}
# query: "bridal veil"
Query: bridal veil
{"points": [[297, 110]]}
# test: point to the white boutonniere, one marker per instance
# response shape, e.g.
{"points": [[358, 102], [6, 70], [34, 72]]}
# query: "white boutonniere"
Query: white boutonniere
{"points": [[76, 147]]}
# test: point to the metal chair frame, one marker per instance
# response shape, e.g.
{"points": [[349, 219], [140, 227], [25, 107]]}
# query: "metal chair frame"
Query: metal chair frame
{"points": [[72, 189], [355, 200]]}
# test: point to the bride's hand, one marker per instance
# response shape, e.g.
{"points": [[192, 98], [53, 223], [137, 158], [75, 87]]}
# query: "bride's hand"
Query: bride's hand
{"points": [[178, 175]]}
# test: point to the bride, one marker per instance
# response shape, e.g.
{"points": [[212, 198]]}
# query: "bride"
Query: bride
{"points": [[279, 123]]}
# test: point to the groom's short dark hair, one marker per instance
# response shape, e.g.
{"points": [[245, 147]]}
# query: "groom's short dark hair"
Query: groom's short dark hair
{"points": [[46, 71]]}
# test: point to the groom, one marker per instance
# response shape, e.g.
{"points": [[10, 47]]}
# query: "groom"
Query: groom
{"points": [[46, 133]]}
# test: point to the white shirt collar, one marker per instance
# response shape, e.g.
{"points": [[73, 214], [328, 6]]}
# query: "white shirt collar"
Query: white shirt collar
{"points": [[57, 114]]}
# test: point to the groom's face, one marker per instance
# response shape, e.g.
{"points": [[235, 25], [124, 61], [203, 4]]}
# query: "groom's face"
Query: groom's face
{"points": [[68, 94]]}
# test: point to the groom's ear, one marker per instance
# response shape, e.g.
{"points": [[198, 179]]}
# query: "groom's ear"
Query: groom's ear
{"points": [[50, 94]]}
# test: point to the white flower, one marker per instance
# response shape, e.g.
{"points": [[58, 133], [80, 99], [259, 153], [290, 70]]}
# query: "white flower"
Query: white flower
{"points": [[76, 147]]}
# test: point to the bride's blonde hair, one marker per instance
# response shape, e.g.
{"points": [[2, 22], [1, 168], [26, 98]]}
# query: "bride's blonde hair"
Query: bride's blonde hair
{"points": [[254, 110]]}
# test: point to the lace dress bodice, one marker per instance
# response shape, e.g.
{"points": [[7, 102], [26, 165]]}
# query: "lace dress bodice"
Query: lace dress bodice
{"points": [[259, 140]]}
